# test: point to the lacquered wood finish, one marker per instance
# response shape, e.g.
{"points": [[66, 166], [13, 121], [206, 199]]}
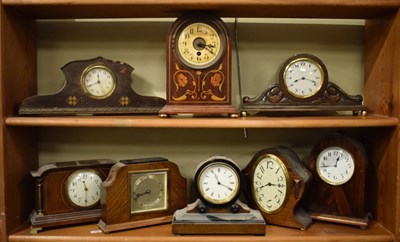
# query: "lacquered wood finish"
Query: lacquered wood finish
{"points": [[206, 122], [19, 154], [317, 231], [239, 8]]}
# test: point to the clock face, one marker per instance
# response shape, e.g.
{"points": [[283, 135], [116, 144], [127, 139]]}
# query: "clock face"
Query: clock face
{"points": [[303, 78], [335, 165], [270, 184], [148, 191], [199, 45], [98, 81], [83, 188], [218, 183]]}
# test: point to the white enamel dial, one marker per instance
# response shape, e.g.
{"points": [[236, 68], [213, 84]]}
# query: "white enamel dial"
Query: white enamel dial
{"points": [[199, 45], [335, 165], [270, 184], [98, 82], [218, 183], [303, 78], [83, 188]]}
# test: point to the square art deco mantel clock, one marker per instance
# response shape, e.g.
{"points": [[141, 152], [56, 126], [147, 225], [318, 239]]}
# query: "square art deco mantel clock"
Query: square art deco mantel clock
{"points": [[198, 66], [93, 86], [141, 192]]}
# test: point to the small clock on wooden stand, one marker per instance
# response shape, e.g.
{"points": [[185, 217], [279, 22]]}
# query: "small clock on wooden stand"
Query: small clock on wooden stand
{"points": [[303, 87], [218, 210]]}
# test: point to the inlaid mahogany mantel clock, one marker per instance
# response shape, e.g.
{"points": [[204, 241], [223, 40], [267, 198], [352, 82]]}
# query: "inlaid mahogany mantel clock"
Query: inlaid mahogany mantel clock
{"points": [[198, 66], [68, 192], [337, 193]]}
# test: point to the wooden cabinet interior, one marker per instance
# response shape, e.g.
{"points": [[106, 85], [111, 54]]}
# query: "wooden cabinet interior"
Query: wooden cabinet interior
{"points": [[19, 146]]}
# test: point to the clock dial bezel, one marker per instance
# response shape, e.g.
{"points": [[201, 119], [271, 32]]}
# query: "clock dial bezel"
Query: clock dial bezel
{"points": [[320, 67], [286, 179], [323, 175], [109, 91], [161, 177], [70, 179], [200, 190], [221, 38]]}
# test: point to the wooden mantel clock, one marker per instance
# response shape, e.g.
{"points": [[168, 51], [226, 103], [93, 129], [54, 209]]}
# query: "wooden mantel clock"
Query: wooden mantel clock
{"points": [[337, 193], [93, 86], [68, 192], [198, 66], [276, 182], [303, 86], [141, 192]]}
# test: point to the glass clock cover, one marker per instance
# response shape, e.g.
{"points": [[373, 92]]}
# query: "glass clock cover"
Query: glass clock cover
{"points": [[83, 188], [98, 81], [303, 77], [199, 45], [149, 191], [335, 165], [270, 183]]}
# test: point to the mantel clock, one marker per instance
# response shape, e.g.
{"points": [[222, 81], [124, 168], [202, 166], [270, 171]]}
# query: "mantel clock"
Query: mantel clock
{"points": [[198, 66], [68, 192]]}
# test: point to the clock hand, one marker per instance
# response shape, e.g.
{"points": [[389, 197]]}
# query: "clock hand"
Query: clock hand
{"points": [[269, 184], [219, 183], [148, 191], [86, 191], [207, 47]]}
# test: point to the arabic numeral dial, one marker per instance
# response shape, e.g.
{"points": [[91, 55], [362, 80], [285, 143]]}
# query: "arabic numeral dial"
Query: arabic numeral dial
{"points": [[270, 184]]}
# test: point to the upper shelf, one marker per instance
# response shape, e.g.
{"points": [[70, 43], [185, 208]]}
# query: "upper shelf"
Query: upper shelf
{"points": [[235, 8], [206, 122]]}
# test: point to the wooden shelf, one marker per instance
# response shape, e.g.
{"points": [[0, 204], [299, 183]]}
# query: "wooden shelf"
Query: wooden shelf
{"points": [[206, 122], [317, 231], [237, 8]]}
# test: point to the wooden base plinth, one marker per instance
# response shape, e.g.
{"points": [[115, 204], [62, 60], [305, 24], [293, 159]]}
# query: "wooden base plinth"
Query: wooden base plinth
{"points": [[360, 222], [199, 110], [189, 221], [108, 228], [40, 221]]}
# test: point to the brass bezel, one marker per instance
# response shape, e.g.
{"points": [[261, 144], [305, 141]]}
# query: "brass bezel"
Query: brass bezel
{"points": [[220, 201], [153, 174], [209, 23], [300, 59], [69, 179], [317, 167], [287, 181], [98, 66]]}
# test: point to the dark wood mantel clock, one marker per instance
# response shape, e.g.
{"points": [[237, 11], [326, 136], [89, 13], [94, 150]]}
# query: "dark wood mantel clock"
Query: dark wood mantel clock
{"points": [[68, 193], [198, 66], [93, 86], [337, 193], [303, 86]]}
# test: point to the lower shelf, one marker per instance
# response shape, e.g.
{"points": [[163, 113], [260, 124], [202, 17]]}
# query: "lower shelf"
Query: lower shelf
{"points": [[318, 231]]}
